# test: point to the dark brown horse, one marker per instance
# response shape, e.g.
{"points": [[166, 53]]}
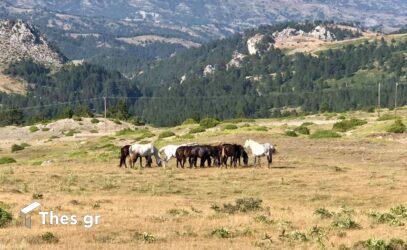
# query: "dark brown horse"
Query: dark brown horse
{"points": [[182, 153], [234, 152], [205, 153]]}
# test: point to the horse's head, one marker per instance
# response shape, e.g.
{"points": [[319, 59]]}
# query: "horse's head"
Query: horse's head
{"points": [[245, 158], [247, 143]]}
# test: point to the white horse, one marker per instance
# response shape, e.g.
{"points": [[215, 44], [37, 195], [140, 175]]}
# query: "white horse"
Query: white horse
{"points": [[143, 150], [259, 150], [170, 151]]}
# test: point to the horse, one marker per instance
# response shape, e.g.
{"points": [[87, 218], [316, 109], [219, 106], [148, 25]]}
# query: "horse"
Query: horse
{"points": [[205, 153], [259, 150], [234, 152], [170, 151], [182, 153], [143, 150], [124, 152]]}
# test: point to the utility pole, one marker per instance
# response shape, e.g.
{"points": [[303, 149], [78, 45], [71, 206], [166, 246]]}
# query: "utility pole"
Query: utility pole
{"points": [[378, 100], [104, 99], [395, 100]]}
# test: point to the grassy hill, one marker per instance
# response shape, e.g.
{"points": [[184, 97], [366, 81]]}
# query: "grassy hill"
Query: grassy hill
{"points": [[334, 192]]}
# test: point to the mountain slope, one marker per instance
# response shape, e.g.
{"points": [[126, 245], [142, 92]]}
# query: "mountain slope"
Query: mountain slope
{"points": [[87, 29]]}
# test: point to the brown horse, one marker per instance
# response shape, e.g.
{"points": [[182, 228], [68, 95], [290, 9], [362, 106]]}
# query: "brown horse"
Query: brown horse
{"points": [[234, 152], [182, 153]]}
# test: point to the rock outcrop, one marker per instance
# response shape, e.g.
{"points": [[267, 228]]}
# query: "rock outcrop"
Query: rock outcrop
{"points": [[20, 40]]}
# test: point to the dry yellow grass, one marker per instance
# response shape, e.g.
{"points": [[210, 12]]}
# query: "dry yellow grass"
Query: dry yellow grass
{"points": [[360, 172]]}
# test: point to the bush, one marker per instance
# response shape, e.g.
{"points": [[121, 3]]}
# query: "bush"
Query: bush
{"points": [[7, 160], [230, 127], [125, 132], [263, 219], [291, 133], [49, 237], [345, 223], [346, 125], [94, 120], [166, 134], [323, 213], [302, 130], [197, 130], [393, 244], [38, 196], [146, 237], [16, 147], [319, 134], [189, 121], [306, 124], [208, 122], [243, 205], [71, 132], [34, 129], [45, 129], [221, 232], [397, 127], [5, 218], [386, 117]]}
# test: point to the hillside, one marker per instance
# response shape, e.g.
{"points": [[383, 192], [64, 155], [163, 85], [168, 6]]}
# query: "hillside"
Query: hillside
{"points": [[88, 29], [272, 71], [339, 192], [21, 41], [303, 66]]}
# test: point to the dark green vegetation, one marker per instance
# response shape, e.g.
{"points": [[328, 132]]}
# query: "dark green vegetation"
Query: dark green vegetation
{"points": [[346, 125], [397, 127], [337, 80], [5, 217], [7, 160], [319, 134]]}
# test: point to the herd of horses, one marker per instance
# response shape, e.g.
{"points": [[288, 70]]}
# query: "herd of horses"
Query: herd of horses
{"points": [[208, 154]]}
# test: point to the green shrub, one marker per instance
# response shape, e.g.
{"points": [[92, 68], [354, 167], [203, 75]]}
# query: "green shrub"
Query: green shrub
{"points": [[345, 223], [297, 235], [118, 122], [49, 237], [319, 134], [323, 213], [34, 129], [38, 196], [397, 127], [386, 117], [302, 130], [166, 134], [94, 120], [94, 131], [5, 218], [243, 205], [189, 121], [16, 147], [146, 237], [263, 219], [290, 133], [341, 117], [373, 244], [221, 232], [346, 125], [7, 160], [230, 127], [197, 130], [208, 122], [45, 129]]}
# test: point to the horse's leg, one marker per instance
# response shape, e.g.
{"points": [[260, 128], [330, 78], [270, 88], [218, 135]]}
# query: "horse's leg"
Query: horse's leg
{"points": [[259, 161], [255, 163]]}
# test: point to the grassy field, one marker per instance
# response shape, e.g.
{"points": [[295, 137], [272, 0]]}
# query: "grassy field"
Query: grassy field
{"points": [[328, 193]]}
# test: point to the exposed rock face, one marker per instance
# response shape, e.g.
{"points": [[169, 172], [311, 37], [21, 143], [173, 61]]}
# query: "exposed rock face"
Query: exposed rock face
{"points": [[252, 43], [322, 33], [20, 40], [236, 60], [209, 70]]}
